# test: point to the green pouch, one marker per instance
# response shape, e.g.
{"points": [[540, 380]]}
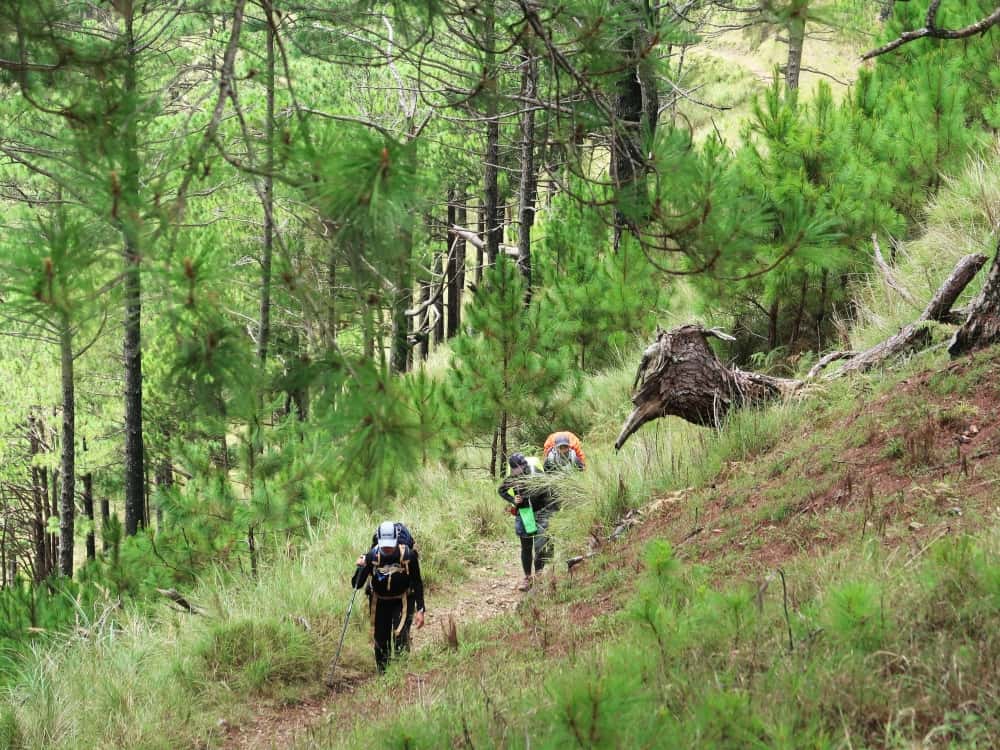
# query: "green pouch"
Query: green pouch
{"points": [[528, 519]]}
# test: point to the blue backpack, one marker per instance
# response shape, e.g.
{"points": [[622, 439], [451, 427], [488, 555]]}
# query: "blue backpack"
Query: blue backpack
{"points": [[403, 536]]}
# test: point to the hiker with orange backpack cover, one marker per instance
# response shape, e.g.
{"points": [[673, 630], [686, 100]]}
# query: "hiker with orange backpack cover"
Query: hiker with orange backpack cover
{"points": [[563, 449]]}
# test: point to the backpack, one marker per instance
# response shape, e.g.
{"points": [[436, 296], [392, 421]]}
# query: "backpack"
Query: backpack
{"points": [[574, 444], [383, 572], [403, 536]]}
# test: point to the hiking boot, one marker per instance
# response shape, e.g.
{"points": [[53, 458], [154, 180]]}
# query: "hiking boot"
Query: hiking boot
{"points": [[525, 584]]}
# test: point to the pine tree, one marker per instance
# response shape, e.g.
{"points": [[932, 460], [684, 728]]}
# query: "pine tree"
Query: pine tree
{"points": [[513, 364]]}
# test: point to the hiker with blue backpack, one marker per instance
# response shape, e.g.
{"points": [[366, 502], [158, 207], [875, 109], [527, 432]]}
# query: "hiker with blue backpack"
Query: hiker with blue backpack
{"points": [[396, 590], [532, 505]]}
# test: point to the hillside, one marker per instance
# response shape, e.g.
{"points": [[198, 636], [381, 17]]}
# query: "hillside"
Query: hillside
{"points": [[833, 582]]}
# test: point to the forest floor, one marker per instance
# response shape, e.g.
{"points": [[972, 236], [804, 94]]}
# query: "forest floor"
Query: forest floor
{"points": [[490, 590]]}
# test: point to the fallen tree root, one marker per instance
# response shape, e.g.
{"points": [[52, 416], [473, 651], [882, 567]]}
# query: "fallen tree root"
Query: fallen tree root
{"points": [[679, 374]]}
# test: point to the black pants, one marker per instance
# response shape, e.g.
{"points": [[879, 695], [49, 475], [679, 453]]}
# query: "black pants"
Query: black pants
{"points": [[386, 619], [537, 547]]}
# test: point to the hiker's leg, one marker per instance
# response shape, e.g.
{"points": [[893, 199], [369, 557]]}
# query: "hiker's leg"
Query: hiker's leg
{"points": [[543, 551], [543, 544], [527, 547], [383, 632], [403, 639]]}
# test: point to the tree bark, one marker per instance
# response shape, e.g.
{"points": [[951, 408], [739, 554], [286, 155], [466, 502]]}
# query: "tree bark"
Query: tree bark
{"points": [[680, 375], [635, 107], [527, 189], [424, 322], [461, 254], [438, 304], [403, 300], [796, 43], [105, 523], [264, 332], [454, 284], [38, 507], [982, 326], [916, 335], [481, 213], [88, 512], [67, 498], [491, 165], [132, 347]]}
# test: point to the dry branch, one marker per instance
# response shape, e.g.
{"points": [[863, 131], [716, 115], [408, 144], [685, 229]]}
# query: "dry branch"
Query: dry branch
{"points": [[982, 324], [930, 29]]}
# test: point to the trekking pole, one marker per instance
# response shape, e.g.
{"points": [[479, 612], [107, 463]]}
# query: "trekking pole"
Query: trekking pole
{"points": [[343, 633]]}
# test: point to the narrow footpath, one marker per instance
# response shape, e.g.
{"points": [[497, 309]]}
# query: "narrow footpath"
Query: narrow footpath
{"points": [[489, 591]]}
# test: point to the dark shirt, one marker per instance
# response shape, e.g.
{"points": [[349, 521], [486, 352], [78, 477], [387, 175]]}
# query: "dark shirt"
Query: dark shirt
{"points": [[555, 460], [416, 583], [530, 487]]}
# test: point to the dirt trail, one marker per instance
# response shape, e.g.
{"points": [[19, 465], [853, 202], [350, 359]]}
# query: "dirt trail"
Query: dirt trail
{"points": [[489, 591]]}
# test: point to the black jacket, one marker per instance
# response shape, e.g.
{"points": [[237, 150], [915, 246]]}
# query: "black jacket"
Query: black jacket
{"points": [[530, 487], [407, 580]]}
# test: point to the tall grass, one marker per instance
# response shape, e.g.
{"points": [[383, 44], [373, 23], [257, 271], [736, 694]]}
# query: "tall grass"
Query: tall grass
{"points": [[963, 218], [858, 649]]}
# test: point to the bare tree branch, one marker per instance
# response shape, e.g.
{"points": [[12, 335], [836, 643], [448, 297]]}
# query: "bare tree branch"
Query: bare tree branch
{"points": [[932, 31]]}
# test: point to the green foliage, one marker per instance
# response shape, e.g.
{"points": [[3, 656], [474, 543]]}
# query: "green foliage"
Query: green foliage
{"points": [[603, 299], [855, 615], [516, 359]]}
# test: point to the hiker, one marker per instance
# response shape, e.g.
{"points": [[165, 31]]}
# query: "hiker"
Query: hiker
{"points": [[532, 505], [563, 449], [396, 591]]}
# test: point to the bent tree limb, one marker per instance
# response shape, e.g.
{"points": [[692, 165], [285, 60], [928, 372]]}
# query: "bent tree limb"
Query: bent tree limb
{"points": [[982, 325], [916, 334]]}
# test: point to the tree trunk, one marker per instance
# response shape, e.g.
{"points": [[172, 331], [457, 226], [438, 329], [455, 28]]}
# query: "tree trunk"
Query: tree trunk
{"points": [[50, 550], [425, 321], [54, 513], [88, 512], [132, 347], [402, 301], [772, 324], [796, 42], [479, 248], [982, 326], [915, 334], [105, 522], [491, 165], [38, 507], [67, 499], [438, 303], [454, 282], [264, 332], [627, 162], [493, 451], [164, 481], [679, 375], [799, 312], [527, 189], [461, 217]]}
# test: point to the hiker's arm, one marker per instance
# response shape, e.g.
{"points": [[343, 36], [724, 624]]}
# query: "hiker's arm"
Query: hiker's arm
{"points": [[506, 494], [361, 572], [416, 584]]}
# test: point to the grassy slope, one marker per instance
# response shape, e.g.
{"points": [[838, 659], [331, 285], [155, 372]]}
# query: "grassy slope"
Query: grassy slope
{"points": [[884, 533]]}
